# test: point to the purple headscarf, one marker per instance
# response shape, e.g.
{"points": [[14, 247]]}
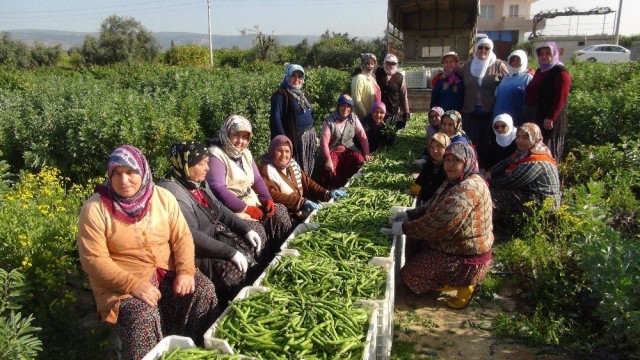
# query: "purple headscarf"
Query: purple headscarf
{"points": [[276, 142], [555, 55]]}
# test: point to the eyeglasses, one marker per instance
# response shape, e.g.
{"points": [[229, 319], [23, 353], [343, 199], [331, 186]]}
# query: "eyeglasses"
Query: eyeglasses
{"points": [[500, 126], [391, 63], [486, 48]]}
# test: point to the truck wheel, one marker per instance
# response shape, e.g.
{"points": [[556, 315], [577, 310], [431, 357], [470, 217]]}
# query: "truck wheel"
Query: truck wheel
{"points": [[591, 60]]}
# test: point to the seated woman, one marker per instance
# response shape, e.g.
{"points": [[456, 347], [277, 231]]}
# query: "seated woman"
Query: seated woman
{"points": [[342, 157], [529, 174], [225, 246], [451, 125], [449, 239], [235, 181], [289, 185], [435, 120], [432, 174], [378, 132], [138, 253], [503, 143]]}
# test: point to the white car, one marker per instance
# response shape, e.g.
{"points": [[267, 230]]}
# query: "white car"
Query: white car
{"points": [[604, 53]]}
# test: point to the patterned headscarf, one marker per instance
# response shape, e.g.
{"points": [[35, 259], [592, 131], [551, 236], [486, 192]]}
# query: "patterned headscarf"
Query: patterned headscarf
{"points": [[441, 139], [450, 77], [456, 117], [555, 55], [437, 109], [535, 136], [296, 91], [276, 142], [364, 62], [184, 156], [378, 105], [231, 126], [467, 154], [505, 140], [130, 209]]}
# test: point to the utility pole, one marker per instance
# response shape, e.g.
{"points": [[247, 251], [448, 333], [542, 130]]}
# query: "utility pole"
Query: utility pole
{"points": [[210, 36], [618, 15]]}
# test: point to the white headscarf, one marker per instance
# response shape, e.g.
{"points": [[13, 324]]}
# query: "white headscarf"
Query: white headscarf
{"points": [[524, 61], [390, 70], [479, 67], [505, 140]]}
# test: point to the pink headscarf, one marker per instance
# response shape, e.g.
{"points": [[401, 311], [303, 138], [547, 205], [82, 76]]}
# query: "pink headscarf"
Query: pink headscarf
{"points": [[555, 55]]}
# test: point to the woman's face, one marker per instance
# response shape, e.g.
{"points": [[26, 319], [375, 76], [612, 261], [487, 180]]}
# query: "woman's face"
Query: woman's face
{"points": [[515, 61], [483, 52], [198, 171], [434, 119], [449, 63], [448, 127], [501, 127], [370, 65], [240, 140], [523, 143], [453, 166], [125, 181], [344, 110], [283, 155], [544, 55], [436, 150], [378, 116], [296, 79]]}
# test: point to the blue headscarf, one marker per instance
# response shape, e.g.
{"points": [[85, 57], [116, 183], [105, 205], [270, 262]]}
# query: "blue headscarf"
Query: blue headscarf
{"points": [[296, 92]]}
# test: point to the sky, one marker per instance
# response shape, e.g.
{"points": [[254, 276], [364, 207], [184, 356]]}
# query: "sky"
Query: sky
{"points": [[278, 17]]}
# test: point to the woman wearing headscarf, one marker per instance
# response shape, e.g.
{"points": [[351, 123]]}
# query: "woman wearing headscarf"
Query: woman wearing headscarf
{"points": [[292, 115], [234, 179], [225, 247], [393, 90], [448, 92], [546, 98], [432, 174], [481, 76], [137, 250], [449, 239], [364, 88], [342, 158], [511, 91], [378, 132], [503, 142], [435, 121], [289, 185], [529, 174], [451, 126]]}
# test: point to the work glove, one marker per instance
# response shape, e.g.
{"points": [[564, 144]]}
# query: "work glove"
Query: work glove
{"points": [[414, 189], [396, 229], [240, 262], [270, 207], [310, 206], [400, 217], [254, 212], [337, 194], [254, 239]]}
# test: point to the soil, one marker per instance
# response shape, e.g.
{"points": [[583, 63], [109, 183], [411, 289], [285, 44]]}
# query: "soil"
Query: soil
{"points": [[425, 328]]}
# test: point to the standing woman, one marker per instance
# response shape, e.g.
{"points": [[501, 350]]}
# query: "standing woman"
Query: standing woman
{"points": [[225, 246], [546, 98], [481, 76], [448, 92], [137, 250], [292, 115], [364, 88], [393, 90], [235, 180], [511, 91]]}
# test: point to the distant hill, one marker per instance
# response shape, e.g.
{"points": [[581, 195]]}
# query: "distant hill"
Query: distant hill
{"points": [[70, 39]]}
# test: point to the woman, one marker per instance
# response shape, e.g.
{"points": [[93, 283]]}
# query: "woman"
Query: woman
{"points": [[449, 239], [546, 98], [481, 76], [510, 93], [451, 126], [138, 253], [289, 185], [393, 90], [503, 142], [342, 158], [225, 247], [448, 93], [432, 174], [435, 121], [292, 115], [234, 179], [378, 133], [529, 174], [364, 88]]}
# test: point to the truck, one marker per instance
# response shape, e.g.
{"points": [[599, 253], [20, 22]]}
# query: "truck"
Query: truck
{"points": [[421, 31]]}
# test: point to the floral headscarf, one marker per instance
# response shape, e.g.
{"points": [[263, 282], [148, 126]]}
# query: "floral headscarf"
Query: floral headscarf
{"points": [[295, 91], [467, 154], [555, 55], [450, 77], [456, 117], [505, 140], [276, 142], [231, 126], [479, 67], [437, 109], [441, 139], [535, 136], [524, 61], [184, 156], [129, 209]]}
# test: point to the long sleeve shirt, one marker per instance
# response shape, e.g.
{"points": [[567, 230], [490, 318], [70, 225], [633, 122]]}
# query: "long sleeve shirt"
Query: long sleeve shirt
{"points": [[328, 137], [538, 178]]}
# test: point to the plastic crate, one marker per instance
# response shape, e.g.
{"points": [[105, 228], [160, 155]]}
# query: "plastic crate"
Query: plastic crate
{"points": [[418, 79], [167, 344]]}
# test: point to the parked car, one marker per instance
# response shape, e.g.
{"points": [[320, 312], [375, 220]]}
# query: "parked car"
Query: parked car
{"points": [[604, 53]]}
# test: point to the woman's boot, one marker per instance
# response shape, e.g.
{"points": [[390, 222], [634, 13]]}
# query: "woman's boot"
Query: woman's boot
{"points": [[463, 297]]}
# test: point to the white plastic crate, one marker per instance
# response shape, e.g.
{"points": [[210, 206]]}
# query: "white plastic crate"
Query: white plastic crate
{"points": [[417, 79], [168, 344]]}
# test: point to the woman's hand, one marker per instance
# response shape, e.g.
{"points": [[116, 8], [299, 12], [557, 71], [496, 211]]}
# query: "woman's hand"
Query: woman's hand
{"points": [[368, 157], [184, 285], [548, 124], [148, 293]]}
